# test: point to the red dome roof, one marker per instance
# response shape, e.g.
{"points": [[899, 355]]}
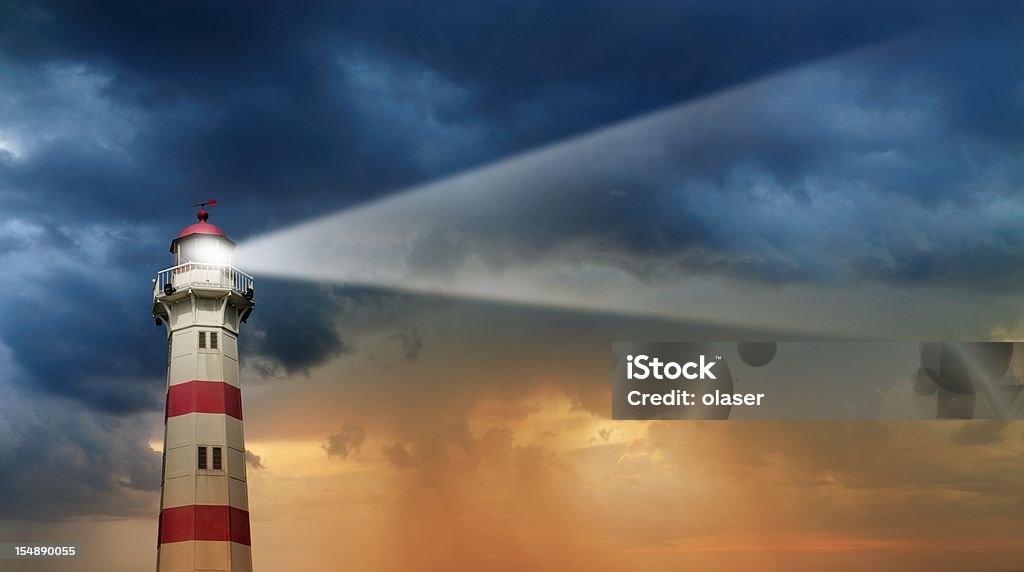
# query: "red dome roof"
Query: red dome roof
{"points": [[201, 227]]}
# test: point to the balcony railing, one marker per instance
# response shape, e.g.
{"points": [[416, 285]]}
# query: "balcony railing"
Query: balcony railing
{"points": [[200, 275]]}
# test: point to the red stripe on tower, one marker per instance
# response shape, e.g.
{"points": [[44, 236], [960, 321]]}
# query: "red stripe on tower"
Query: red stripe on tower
{"points": [[198, 396], [218, 523]]}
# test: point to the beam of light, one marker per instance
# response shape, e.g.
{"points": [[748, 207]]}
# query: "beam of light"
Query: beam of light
{"points": [[497, 232], [547, 227], [988, 387]]}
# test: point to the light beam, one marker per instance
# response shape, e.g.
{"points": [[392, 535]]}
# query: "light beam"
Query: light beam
{"points": [[605, 221]]}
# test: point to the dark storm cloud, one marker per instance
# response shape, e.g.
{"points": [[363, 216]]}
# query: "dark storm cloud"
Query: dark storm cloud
{"points": [[253, 460], [60, 458], [295, 329], [399, 456], [94, 354], [337, 99], [73, 326], [345, 442], [412, 343], [302, 326]]}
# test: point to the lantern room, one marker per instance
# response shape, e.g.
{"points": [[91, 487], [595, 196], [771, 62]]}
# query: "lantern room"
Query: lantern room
{"points": [[202, 269], [202, 262], [202, 243]]}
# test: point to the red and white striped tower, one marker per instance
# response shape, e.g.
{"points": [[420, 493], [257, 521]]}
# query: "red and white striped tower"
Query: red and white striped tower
{"points": [[204, 506]]}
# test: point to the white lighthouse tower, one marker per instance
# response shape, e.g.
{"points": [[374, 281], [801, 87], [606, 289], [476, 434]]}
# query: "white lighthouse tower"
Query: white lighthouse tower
{"points": [[204, 506]]}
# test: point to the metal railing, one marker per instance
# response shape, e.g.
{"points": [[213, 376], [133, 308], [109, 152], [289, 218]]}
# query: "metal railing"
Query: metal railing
{"points": [[200, 275]]}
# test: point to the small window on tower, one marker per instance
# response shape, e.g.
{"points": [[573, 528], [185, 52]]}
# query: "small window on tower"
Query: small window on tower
{"points": [[213, 340], [202, 457], [202, 340], [217, 459]]}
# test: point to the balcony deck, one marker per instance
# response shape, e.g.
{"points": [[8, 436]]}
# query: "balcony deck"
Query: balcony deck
{"points": [[194, 275]]}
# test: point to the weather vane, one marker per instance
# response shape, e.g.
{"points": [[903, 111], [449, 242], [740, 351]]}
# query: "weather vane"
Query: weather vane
{"points": [[202, 214]]}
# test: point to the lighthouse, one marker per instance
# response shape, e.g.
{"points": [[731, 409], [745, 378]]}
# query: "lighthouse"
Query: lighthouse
{"points": [[203, 300]]}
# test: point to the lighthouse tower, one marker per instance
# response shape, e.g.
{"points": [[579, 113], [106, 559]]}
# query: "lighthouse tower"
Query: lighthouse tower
{"points": [[203, 300]]}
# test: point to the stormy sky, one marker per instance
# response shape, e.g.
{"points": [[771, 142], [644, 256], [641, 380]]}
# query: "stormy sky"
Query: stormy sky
{"points": [[838, 166]]}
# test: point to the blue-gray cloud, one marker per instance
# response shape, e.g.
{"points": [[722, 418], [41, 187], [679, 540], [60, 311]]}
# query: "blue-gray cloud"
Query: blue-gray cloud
{"points": [[60, 458]]}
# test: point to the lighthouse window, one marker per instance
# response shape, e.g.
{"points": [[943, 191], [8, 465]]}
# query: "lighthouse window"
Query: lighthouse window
{"points": [[213, 340], [217, 459], [202, 457], [202, 340]]}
